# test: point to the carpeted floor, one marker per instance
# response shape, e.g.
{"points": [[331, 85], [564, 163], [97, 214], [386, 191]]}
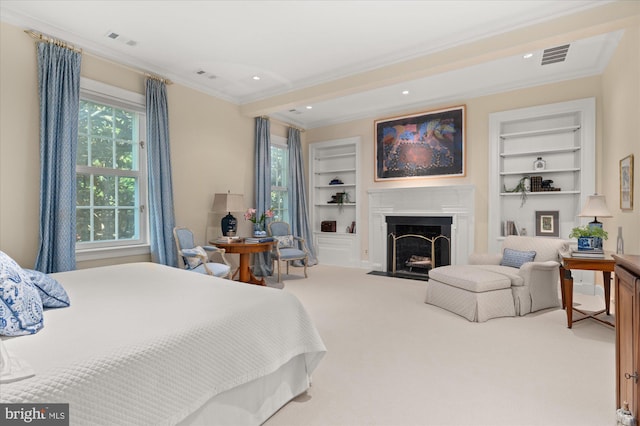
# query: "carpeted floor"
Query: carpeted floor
{"points": [[394, 360]]}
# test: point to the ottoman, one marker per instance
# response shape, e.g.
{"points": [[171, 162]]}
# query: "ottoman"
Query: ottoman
{"points": [[474, 293]]}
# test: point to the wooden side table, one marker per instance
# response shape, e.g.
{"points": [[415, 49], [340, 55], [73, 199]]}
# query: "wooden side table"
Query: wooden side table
{"points": [[245, 250], [605, 265]]}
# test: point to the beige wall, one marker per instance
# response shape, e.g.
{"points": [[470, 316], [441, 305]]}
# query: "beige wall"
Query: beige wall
{"points": [[621, 137], [212, 143], [211, 148], [477, 148]]}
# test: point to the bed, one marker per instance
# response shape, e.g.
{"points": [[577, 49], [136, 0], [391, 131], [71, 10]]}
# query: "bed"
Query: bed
{"points": [[144, 343]]}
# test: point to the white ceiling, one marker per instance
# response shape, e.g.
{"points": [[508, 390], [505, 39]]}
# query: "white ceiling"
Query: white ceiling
{"points": [[295, 45]]}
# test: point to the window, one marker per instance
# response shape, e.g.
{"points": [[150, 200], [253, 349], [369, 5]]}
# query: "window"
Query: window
{"points": [[110, 170], [279, 178]]}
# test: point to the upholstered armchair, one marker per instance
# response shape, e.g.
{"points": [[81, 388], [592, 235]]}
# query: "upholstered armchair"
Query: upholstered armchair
{"points": [[289, 247], [199, 259], [532, 265]]}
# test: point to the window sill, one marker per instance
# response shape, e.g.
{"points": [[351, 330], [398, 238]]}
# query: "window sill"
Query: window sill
{"points": [[110, 252]]}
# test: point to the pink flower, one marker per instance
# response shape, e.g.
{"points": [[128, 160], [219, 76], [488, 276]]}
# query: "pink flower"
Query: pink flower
{"points": [[252, 215]]}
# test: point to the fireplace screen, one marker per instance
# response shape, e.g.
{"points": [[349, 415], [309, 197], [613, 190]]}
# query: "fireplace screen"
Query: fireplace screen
{"points": [[416, 254]]}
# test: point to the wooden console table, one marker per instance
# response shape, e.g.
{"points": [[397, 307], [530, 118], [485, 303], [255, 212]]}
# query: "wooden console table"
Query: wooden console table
{"points": [[245, 250], [605, 265]]}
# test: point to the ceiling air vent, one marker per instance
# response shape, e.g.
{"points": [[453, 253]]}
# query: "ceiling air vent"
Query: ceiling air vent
{"points": [[555, 54], [118, 37]]}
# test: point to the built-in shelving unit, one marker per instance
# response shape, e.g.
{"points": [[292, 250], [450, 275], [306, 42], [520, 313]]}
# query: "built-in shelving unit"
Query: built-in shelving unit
{"points": [[335, 160], [563, 135]]}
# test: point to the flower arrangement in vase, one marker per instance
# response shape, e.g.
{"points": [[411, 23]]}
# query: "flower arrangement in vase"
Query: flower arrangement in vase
{"points": [[258, 222]]}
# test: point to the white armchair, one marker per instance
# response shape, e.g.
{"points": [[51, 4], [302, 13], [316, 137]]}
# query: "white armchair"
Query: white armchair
{"points": [[534, 284]]}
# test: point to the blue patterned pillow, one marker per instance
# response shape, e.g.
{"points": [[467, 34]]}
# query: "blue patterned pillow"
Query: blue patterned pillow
{"points": [[285, 241], [515, 258], [51, 292], [20, 303]]}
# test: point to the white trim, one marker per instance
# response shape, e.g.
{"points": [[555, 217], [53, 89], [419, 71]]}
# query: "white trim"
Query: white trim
{"points": [[279, 141], [99, 92], [112, 94], [111, 252]]}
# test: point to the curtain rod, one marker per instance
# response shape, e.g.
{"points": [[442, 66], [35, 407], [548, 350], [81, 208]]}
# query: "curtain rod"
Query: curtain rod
{"points": [[46, 39], [51, 40], [266, 117]]}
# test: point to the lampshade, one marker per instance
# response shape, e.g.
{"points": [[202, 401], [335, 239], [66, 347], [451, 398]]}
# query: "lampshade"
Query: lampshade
{"points": [[595, 206], [227, 203]]}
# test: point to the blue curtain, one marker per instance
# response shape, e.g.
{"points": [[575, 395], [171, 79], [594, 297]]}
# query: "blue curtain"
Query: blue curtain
{"points": [[262, 265], [59, 87], [161, 213], [298, 214]]}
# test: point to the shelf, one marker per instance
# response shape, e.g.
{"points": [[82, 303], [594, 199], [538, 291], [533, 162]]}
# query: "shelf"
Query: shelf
{"points": [[330, 172], [328, 160], [541, 132], [507, 194], [539, 152], [535, 172], [334, 156], [344, 185], [341, 234]]}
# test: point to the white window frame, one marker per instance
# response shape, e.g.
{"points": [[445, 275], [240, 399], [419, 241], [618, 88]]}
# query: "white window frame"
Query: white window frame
{"points": [[120, 98], [281, 142]]}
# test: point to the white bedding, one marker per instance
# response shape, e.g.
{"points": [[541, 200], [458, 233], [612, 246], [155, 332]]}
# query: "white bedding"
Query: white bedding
{"points": [[148, 344]]}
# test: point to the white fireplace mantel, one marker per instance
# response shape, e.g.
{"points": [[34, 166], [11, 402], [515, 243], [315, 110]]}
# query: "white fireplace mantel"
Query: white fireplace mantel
{"points": [[456, 201]]}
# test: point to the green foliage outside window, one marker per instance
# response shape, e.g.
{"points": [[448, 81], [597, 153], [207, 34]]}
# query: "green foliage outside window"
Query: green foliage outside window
{"points": [[106, 200]]}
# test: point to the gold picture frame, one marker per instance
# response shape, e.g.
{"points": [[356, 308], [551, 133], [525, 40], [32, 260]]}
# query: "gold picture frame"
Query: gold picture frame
{"points": [[626, 183], [422, 145]]}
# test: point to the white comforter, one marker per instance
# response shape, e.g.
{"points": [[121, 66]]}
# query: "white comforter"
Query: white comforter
{"points": [[148, 344]]}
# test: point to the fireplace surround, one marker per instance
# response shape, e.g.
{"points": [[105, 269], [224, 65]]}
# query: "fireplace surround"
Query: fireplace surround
{"points": [[455, 202]]}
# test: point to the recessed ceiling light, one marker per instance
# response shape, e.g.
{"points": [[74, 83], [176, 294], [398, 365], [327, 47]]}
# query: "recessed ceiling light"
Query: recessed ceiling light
{"points": [[256, 77], [405, 92], [309, 107], [528, 55]]}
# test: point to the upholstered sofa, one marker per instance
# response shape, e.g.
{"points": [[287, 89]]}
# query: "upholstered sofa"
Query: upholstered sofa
{"points": [[527, 268]]}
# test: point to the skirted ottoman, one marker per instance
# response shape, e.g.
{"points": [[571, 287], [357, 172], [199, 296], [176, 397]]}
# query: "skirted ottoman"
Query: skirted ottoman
{"points": [[471, 292]]}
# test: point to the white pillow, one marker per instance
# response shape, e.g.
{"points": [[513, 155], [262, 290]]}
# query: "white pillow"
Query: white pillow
{"points": [[192, 261], [285, 241]]}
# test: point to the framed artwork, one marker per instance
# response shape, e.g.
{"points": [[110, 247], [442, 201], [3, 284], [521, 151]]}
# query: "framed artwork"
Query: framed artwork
{"points": [[427, 144], [626, 183], [547, 224]]}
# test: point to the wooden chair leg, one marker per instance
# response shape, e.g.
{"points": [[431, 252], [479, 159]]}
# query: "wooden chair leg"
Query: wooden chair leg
{"points": [[278, 270], [305, 261]]}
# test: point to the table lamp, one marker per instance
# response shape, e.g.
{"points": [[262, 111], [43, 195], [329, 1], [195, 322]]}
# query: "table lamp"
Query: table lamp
{"points": [[227, 203], [595, 206]]}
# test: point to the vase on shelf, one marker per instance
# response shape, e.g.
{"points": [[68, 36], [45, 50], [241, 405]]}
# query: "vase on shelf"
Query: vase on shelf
{"points": [[539, 164]]}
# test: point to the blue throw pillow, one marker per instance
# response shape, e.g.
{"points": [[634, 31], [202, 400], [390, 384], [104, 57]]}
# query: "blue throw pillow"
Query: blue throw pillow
{"points": [[20, 303], [515, 258], [51, 292]]}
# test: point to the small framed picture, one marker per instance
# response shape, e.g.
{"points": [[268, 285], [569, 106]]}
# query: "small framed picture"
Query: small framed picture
{"points": [[547, 224], [626, 183]]}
